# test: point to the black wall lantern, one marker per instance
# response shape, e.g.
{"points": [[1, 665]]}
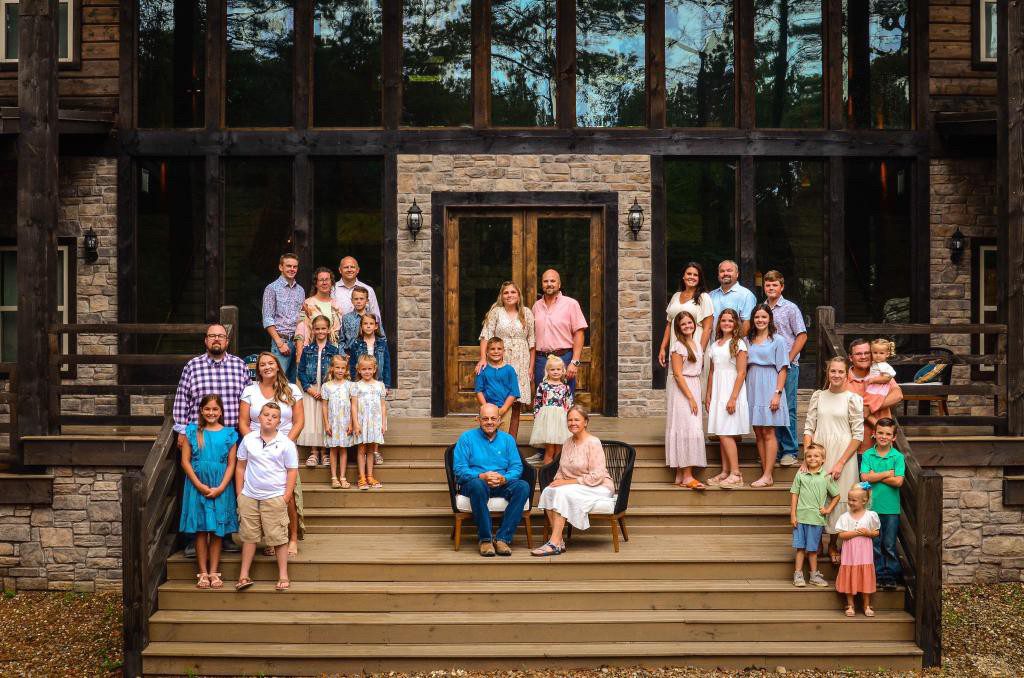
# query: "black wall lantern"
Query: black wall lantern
{"points": [[635, 217], [414, 219], [957, 246], [92, 246]]}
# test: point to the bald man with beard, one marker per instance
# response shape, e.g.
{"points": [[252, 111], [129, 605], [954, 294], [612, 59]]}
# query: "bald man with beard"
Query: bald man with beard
{"points": [[559, 324]]}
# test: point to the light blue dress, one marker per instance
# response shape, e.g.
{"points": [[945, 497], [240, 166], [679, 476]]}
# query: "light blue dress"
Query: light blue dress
{"points": [[339, 413], [371, 413], [199, 514], [764, 362]]}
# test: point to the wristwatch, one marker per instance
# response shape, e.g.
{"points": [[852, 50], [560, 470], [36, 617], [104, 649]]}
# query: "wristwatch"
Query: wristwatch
{"points": [[575, 363], [778, 392]]}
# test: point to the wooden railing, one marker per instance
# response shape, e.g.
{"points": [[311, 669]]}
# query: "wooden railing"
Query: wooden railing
{"points": [[11, 456], [920, 536], [832, 338], [60, 360], [150, 506]]}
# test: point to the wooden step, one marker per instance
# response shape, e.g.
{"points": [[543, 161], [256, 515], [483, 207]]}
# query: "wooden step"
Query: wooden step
{"points": [[527, 627], [227, 658], [433, 451]]}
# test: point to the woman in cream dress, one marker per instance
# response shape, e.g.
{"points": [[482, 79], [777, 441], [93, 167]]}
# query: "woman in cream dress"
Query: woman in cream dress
{"points": [[511, 320]]}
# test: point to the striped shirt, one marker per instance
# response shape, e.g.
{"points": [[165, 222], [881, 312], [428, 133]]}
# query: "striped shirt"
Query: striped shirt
{"points": [[202, 376], [281, 305], [789, 323]]}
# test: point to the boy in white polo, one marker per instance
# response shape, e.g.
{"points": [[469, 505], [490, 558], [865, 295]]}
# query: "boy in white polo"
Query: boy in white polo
{"points": [[265, 478]]}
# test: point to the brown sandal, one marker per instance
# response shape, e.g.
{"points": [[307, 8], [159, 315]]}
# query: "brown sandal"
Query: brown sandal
{"points": [[216, 582], [282, 585], [243, 584], [204, 581], [269, 551]]}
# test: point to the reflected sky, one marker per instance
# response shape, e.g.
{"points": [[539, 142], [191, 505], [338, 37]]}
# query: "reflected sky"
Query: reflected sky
{"points": [[610, 63], [523, 78]]}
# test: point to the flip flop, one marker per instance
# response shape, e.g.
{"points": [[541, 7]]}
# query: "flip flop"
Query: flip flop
{"points": [[553, 551], [283, 585], [243, 584], [693, 484]]}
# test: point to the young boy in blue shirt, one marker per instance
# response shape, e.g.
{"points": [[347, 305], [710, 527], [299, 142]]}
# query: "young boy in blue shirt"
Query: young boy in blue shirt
{"points": [[884, 467], [498, 384]]}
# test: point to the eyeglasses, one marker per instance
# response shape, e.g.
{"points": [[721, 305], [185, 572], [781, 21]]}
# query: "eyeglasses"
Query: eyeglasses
{"points": [[216, 336]]}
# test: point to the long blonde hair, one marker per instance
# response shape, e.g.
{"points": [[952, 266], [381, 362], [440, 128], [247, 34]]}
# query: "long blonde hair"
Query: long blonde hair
{"points": [[499, 304], [690, 355], [282, 389], [834, 359]]}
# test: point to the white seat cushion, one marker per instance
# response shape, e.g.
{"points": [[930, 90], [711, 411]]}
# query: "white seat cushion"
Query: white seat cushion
{"points": [[494, 504], [605, 506]]}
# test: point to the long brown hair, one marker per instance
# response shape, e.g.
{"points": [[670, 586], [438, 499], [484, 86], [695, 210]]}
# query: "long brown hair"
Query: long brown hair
{"points": [[500, 305], [771, 322], [676, 325], [834, 359], [282, 390], [201, 423], [737, 331]]}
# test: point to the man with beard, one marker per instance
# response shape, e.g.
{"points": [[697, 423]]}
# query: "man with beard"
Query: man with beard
{"points": [[558, 326], [732, 295]]}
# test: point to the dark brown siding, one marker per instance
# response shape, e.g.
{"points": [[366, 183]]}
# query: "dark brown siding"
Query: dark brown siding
{"points": [[956, 85]]}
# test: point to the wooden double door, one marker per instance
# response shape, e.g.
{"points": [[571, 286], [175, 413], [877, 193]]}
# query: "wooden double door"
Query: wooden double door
{"points": [[485, 248]]}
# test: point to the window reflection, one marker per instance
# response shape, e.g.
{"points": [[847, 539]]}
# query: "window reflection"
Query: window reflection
{"points": [[348, 218], [877, 69], [172, 63], [610, 63], [346, 63], [523, 63], [436, 65], [699, 73], [700, 224], [788, 63], [485, 261], [259, 63]]}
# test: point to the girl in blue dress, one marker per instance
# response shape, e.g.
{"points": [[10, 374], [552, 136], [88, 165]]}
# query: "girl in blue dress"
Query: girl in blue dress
{"points": [[208, 508], [767, 364]]}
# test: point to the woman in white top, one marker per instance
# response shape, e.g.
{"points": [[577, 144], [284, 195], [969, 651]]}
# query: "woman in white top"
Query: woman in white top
{"points": [[273, 387], [693, 298]]}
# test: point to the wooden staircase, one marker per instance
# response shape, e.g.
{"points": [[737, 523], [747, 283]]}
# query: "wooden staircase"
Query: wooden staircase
{"points": [[704, 581]]}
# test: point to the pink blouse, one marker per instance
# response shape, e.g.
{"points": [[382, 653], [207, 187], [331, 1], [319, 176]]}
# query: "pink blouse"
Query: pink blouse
{"points": [[584, 462]]}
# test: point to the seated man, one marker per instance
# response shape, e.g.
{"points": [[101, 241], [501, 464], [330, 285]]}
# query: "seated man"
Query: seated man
{"points": [[487, 464]]}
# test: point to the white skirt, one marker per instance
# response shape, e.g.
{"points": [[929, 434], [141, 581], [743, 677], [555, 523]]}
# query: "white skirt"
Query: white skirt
{"points": [[573, 502], [312, 433], [549, 427]]}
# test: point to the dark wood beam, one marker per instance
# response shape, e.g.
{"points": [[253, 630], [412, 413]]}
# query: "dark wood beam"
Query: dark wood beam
{"points": [[38, 211], [835, 237], [565, 39], [481, 57], [69, 121], [391, 63], [654, 38], [216, 52], [659, 263], [389, 286], [919, 78], [302, 87], [920, 247], [746, 218], [213, 181], [833, 14], [302, 216], [127, 32], [743, 19]]}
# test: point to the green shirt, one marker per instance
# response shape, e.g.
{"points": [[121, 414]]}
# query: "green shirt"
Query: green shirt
{"points": [[812, 490], [885, 499]]}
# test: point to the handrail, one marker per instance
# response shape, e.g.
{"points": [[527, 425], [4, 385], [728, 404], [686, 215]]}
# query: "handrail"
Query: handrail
{"points": [[150, 504], [920, 531]]}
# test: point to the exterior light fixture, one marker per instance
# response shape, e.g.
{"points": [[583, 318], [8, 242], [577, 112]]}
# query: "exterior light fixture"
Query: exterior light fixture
{"points": [[957, 246], [414, 219], [92, 245], [635, 218]]}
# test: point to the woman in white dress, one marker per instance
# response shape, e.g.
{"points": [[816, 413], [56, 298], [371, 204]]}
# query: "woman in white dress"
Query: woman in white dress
{"points": [[693, 298], [835, 420], [581, 481], [511, 321], [726, 399]]}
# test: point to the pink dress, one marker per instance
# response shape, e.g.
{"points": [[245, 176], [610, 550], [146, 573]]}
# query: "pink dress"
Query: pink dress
{"points": [[857, 562], [684, 431]]}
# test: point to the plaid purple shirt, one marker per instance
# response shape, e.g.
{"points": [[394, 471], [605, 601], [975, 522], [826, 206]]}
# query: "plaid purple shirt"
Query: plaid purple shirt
{"points": [[281, 305], [789, 323], [204, 375]]}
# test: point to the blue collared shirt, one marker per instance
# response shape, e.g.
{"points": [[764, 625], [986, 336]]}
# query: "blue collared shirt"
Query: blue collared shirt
{"points": [[475, 453], [789, 323], [281, 305], [497, 384], [738, 298]]}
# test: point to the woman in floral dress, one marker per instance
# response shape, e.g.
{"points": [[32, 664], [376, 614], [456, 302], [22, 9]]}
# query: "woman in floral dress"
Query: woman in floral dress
{"points": [[512, 322]]}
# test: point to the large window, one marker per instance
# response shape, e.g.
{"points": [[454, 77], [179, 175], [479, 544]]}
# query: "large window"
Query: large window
{"points": [[877, 72], [171, 63], [67, 30], [610, 63], [257, 231], [348, 216], [260, 34], [984, 27], [437, 68], [523, 63], [699, 75], [788, 63], [346, 63], [701, 217], [9, 296]]}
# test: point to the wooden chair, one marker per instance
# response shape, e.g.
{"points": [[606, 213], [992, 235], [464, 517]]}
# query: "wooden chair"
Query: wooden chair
{"points": [[941, 372], [462, 510], [619, 458]]}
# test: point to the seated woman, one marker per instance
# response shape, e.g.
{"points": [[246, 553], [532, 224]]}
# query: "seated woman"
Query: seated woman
{"points": [[581, 481]]}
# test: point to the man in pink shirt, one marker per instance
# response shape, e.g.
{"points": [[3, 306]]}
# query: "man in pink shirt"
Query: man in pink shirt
{"points": [[860, 366], [558, 325]]}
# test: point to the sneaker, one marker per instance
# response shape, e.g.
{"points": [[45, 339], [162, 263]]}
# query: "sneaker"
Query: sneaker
{"points": [[798, 580], [378, 458], [788, 460], [228, 545], [190, 549], [325, 462], [816, 579], [536, 459]]}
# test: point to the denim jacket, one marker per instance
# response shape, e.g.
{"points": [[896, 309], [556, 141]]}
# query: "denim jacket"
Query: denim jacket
{"points": [[350, 328], [380, 352], [307, 365]]}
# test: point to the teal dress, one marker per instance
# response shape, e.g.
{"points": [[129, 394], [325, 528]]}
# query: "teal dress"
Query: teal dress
{"points": [[199, 514]]}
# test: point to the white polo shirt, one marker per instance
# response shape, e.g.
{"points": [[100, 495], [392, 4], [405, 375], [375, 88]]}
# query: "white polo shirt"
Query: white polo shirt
{"points": [[267, 464]]}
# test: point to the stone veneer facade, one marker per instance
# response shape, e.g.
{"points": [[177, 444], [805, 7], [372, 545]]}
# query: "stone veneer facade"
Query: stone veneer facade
{"points": [[982, 539], [627, 175]]}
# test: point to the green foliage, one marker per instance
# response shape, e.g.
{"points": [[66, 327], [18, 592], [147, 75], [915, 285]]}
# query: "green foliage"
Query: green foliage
{"points": [[346, 63], [437, 66], [523, 77], [260, 46]]}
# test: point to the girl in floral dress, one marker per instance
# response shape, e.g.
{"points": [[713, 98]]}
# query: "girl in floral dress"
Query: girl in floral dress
{"points": [[369, 418], [550, 405], [336, 407]]}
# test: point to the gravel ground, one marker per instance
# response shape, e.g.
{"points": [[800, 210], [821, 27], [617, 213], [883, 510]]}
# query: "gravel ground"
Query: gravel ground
{"points": [[71, 634]]}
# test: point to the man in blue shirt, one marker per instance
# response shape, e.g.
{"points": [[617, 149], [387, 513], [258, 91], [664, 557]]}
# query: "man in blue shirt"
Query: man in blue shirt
{"points": [[732, 295], [487, 465]]}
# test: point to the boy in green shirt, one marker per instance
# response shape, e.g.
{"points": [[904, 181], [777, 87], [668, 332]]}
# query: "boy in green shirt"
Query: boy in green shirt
{"points": [[809, 514], [884, 467]]}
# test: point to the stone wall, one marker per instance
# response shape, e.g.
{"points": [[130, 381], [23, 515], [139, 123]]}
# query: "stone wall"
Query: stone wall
{"points": [[75, 544], [982, 539], [629, 176]]}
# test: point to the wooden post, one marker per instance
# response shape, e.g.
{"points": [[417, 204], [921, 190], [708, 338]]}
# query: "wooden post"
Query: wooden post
{"points": [[302, 70], [928, 596], [37, 209], [746, 216], [132, 576], [826, 320], [391, 63], [654, 39], [835, 236], [744, 30], [229, 318], [565, 41], [481, 59]]}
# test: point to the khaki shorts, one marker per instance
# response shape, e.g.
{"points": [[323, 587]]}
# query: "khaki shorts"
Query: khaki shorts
{"points": [[506, 420], [263, 520]]}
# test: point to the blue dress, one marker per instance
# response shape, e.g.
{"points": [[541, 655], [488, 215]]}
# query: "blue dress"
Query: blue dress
{"points": [[199, 514], [764, 362]]}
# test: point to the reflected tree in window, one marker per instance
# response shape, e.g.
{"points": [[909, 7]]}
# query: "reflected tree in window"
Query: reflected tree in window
{"points": [[699, 71], [346, 63], [610, 87], [788, 63], [877, 68], [700, 224], [260, 40], [523, 76], [171, 63], [437, 63]]}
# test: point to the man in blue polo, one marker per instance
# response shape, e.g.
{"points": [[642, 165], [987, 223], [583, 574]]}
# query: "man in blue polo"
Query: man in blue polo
{"points": [[732, 295], [487, 465]]}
